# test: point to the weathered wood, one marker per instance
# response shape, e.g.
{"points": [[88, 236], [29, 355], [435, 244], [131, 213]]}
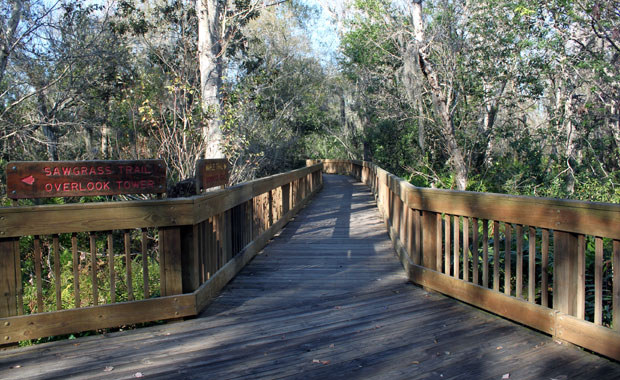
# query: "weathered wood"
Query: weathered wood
{"points": [[94, 268], [57, 278], [170, 261], [128, 265], [616, 286], [111, 267], [145, 263], [457, 246], [465, 249], [598, 280], [544, 267], [475, 256], [507, 258], [531, 272], [37, 273], [496, 256], [448, 246], [565, 272], [76, 271], [485, 253], [10, 277], [519, 278], [430, 229], [585, 334], [580, 300], [97, 317]]}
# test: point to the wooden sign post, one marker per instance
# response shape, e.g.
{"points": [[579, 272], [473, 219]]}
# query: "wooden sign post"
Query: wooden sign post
{"points": [[211, 173], [45, 179]]}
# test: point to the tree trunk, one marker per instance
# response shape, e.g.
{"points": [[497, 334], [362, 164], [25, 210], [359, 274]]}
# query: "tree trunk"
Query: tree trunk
{"points": [[9, 38], [211, 68], [440, 102], [105, 142]]}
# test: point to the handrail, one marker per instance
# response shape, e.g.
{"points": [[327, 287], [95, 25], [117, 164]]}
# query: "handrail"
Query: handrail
{"points": [[199, 244], [476, 247]]}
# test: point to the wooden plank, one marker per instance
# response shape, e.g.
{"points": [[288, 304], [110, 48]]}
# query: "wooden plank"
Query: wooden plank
{"points": [[519, 278], [475, 257], [598, 281], [111, 267], [170, 256], [457, 246], [96, 317], [42, 179], [465, 248], [145, 263], [616, 286], [544, 267], [37, 273], [94, 268], [565, 272], [507, 258], [485, 253], [580, 300], [588, 335], [496, 256], [9, 277], [57, 278], [520, 311], [448, 245], [430, 228], [76, 271], [128, 265], [531, 272]]}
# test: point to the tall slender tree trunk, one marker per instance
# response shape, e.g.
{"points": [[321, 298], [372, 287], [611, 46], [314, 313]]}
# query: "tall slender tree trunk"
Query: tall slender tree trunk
{"points": [[211, 69], [8, 38], [105, 141], [440, 101]]}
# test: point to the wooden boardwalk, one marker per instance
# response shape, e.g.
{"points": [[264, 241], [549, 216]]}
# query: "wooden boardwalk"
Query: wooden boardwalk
{"points": [[326, 299]]}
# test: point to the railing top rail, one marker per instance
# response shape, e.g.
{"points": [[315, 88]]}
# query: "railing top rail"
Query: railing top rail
{"points": [[103, 216]]}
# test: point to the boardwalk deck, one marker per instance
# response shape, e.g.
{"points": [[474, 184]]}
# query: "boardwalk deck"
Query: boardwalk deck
{"points": [[326, 299]]}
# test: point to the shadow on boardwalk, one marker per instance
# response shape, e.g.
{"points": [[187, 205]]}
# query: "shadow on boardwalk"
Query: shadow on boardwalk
{"points": [[326, 299]]}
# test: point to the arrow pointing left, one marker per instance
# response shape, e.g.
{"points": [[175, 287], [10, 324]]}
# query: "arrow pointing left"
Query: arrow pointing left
{"points": [[28, 180]]}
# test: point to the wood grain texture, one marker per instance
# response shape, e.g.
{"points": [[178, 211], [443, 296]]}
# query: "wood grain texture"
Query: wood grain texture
{"points": [[326, 299]]}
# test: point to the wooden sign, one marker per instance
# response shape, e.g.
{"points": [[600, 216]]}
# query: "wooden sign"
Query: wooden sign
{"points": [[211, 173], [44, 179]]}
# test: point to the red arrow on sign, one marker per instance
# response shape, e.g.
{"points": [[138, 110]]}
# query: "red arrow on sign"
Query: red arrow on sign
{"points": [[28, 180]]}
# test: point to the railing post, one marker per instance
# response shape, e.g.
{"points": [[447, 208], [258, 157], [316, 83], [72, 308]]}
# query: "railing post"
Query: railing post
{"points": [[170, 261], [565, 272], [429, 240], [10, 277]]}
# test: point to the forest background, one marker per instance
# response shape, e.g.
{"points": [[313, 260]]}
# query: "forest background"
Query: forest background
{"points": [[518, 97]]}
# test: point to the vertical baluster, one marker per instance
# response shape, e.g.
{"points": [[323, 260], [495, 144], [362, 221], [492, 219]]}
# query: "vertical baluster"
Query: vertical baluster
{"points": [[508, 258], [145, 264], [57, 279], [519, 284], [598, 281], [496, 256], [531, 270], [439, 242], [465, 248], [485, 253], [474, 252], [616, 285], [111, 267], [544, 296], [93, 267], [580, 311], [18, 276], [37, 273], [447, 263], [128, 262], [457, 248], [76, 270]]}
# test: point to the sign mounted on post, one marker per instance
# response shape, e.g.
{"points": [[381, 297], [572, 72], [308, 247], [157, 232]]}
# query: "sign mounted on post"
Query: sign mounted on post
{"points": [[211, 173], [44, 179]]}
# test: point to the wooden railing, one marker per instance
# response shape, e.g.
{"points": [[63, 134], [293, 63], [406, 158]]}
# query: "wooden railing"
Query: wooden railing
{"points": [[523, 258], [92, 260]]}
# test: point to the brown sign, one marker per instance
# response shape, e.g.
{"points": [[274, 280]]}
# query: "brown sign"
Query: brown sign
{"points": [[43, 179], [211, 173]]}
